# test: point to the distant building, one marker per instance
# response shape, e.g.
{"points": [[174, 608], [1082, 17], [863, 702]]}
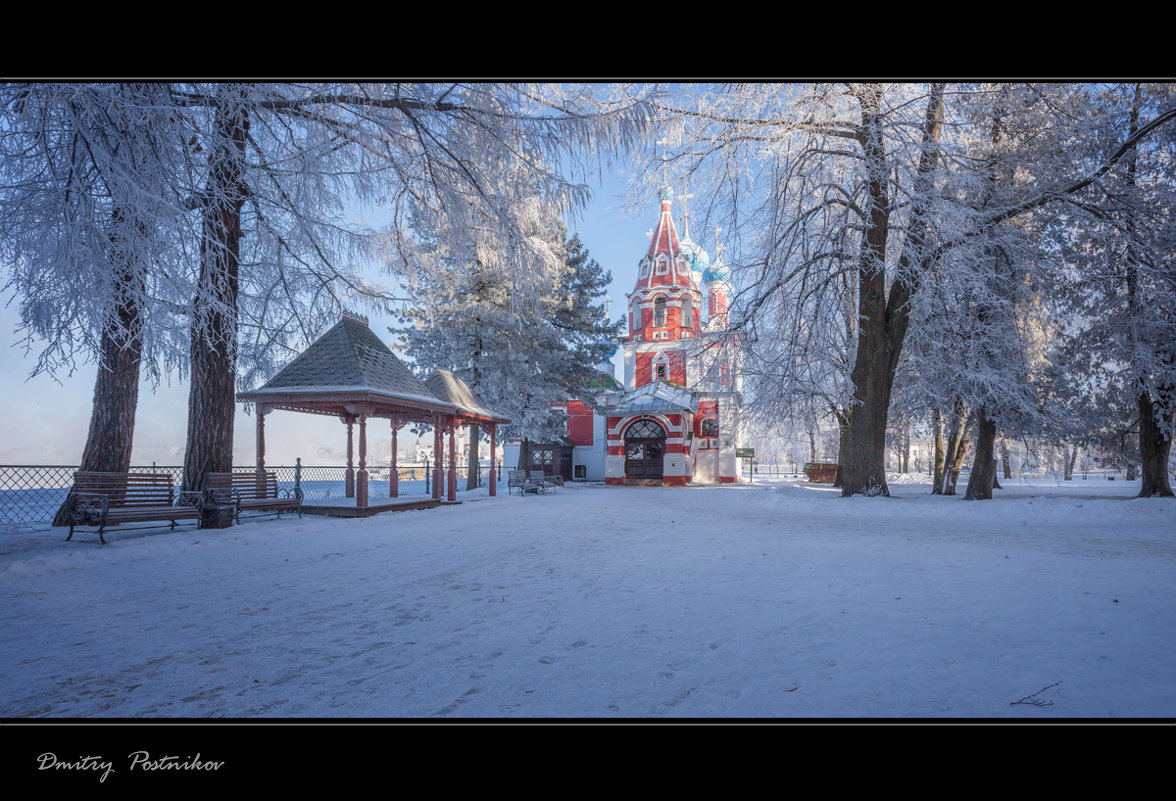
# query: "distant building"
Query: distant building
{"points": [[678, 416]]}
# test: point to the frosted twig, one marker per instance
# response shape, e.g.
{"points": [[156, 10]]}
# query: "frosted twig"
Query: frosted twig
{"points": [[1031, 700]]}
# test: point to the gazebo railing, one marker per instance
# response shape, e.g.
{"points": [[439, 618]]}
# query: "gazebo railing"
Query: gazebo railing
{"points": [[30, 495]]}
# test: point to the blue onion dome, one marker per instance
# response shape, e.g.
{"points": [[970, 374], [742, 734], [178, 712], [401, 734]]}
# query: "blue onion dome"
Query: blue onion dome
{"points": [[716, 272], [697, 257]]}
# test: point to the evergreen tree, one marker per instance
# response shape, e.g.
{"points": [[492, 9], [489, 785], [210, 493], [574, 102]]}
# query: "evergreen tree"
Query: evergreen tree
{"points": [[519, 358]]}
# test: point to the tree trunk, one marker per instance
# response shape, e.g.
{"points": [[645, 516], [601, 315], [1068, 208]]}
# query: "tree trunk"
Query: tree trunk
{"points": [[865, 458], [953, 456], [212, 394], [961, 454], [1154, 449], [906, 446], [472, 463], [883, 319], [940, 454], [116, 386], [980, 482], [842, 418], [1071, 459], [1006, 466]]}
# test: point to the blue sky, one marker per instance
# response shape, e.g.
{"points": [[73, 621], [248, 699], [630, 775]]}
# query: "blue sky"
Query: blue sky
{"points": [[45, 418]]}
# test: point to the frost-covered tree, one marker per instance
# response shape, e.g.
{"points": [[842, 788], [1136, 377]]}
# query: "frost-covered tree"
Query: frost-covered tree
{"points": [[1118, 288], [267, 254], [841, 169], [521, 356], [895, 159], [975, 341], [466, 155], [92, 185]]}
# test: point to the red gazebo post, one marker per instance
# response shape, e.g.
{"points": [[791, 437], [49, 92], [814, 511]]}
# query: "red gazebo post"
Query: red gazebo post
{"points": [[438, 453], [361, 489], [452, 459], [260, 439], [493, 481], [393, 475], [349, 476]]}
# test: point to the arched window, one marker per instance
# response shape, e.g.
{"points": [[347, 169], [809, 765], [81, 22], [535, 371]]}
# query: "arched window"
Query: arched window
{"points": [[645, 429], [659, 313], [687, 313]]}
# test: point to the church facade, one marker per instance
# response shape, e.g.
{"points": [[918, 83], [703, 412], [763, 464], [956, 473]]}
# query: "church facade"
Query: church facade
{"points": [[678, 418]]}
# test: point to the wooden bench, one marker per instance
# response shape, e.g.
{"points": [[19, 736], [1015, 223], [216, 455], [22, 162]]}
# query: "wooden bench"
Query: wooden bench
{"points": [[252, 491], [109, 499]]}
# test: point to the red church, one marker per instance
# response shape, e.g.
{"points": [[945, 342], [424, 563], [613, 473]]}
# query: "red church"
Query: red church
{"points": [[679, 418]]}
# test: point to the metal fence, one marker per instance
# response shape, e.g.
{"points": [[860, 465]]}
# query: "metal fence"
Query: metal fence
{"points": [[30, 495], [769, 469]]}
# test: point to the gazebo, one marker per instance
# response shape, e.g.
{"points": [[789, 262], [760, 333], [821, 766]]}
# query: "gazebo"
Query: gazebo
{"points": [[349, 373]]}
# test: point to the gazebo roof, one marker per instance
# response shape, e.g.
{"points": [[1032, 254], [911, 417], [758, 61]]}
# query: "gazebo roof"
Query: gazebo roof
{"points": [[448, 387], [348, 362]]}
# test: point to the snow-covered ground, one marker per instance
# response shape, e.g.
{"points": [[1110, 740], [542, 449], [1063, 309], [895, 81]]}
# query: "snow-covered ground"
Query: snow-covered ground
{"points": [[776, 600]]}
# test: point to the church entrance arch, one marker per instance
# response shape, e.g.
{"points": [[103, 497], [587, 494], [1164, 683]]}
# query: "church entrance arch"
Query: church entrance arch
{"points": [[645, 448]]}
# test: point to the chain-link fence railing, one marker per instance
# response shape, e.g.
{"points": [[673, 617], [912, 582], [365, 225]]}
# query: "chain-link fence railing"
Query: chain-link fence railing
{"points": [[30, 495]]}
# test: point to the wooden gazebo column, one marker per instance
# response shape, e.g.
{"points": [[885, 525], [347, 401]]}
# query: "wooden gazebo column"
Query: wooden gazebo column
{"points": [[361, 484], [452, 459], [259, 474], [493, 481], [349, 476], [393, 474], [437, 456], [261, 438]]}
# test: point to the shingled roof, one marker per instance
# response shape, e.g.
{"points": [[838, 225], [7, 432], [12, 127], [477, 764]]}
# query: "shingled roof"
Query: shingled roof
{"points": [[349, 359], [448, 387]]}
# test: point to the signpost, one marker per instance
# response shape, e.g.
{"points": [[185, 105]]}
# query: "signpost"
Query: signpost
{"points": [[747, 453]]}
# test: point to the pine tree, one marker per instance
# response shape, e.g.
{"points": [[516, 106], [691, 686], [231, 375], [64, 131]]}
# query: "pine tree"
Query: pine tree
{"points": [[520, 356]]}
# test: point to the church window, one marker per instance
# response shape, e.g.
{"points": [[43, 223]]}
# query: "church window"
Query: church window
{"points": [[659, 313], [709, 427], [661, 371], [687, 313], [644, 429], [663, 266]]}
